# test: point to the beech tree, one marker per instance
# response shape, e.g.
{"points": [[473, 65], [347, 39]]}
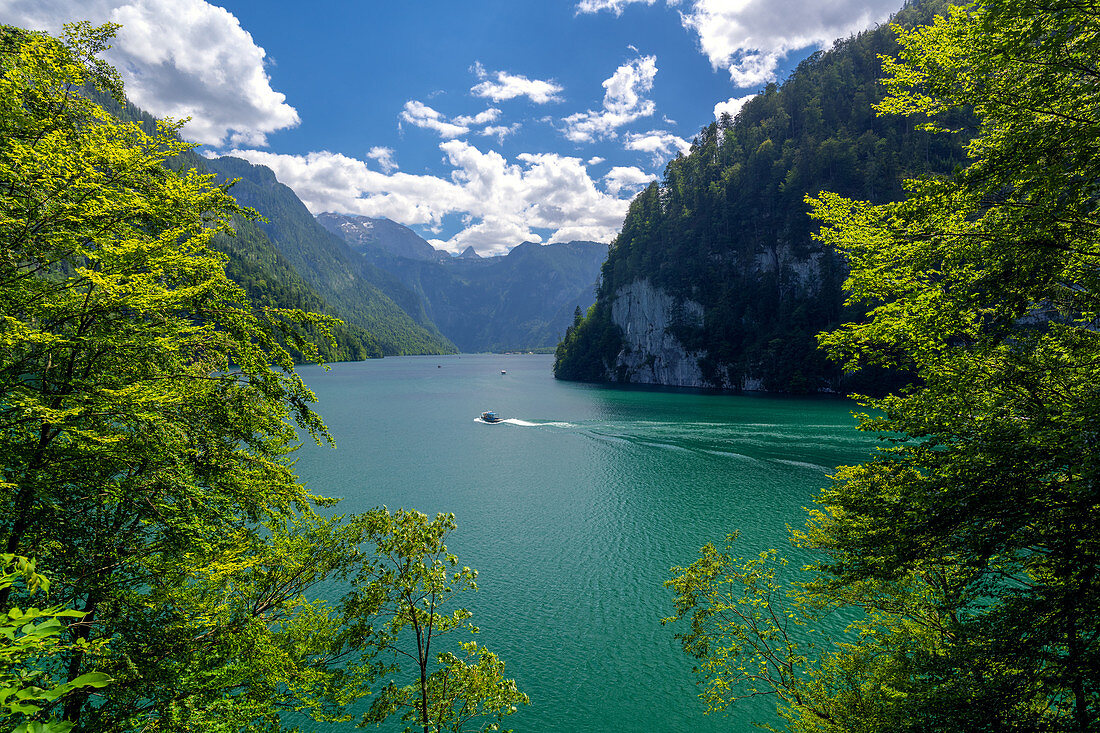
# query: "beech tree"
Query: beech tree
{"points": [[969, 540], [28, 635], [406, 593], [147, 415]]}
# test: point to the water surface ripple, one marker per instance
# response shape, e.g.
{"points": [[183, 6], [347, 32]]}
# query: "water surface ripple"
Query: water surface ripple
{"points": [[574, 508]]}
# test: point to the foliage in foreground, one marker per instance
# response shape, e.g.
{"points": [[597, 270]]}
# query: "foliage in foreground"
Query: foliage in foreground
{"points": [[968, 544], [409, 582], [27, 636], [148, 417]]}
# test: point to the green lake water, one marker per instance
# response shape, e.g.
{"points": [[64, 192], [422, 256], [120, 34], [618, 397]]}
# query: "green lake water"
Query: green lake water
{"points": [[574, 509]]}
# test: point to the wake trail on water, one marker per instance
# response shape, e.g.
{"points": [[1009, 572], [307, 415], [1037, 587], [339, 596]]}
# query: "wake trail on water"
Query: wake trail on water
{"points": [[526, 424]]}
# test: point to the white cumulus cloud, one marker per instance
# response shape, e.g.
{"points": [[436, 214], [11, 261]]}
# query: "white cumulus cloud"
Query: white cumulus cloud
{"points": [[627, 178], [500, 131], [179, 58], [615, 6], [500, 85], [500, 202], [421, 115], [481, 118], [749, 38], [624, 101], [384, 156], [661, 144], [731, 106]]}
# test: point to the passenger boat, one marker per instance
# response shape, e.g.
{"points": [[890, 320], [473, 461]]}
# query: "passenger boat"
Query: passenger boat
{"points": [[489, 416]]}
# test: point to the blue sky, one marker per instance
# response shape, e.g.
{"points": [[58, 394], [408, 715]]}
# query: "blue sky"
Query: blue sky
{"points": [[478, 123]]}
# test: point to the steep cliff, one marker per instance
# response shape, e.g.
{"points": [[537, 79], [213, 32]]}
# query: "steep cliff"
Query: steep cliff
{"points": [[721, 251], [651, 353]]}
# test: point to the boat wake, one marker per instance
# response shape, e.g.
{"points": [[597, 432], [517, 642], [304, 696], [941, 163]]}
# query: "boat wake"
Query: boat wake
{"points": [[528, 424]]}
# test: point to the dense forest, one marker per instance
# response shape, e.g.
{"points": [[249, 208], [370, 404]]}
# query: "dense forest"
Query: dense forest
{"points": [[728, 228], [269, 280], [963, 554], [355, 290], [285, 260]]}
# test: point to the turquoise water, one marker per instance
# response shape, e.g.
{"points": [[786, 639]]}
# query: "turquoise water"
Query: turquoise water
{"points": [[574, 509]]}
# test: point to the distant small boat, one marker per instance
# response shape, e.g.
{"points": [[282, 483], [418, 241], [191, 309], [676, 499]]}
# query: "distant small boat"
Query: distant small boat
{"points": [[503, 372], [490, 416]]}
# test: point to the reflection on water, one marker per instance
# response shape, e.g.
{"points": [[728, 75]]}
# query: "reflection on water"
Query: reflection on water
{"points": [[574, 507]]}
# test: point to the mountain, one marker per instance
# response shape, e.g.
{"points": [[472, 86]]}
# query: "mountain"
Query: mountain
{"points": [[362, 233], [270, 281], [356, 291], [715, 280], [255, 264], [523, 300]]}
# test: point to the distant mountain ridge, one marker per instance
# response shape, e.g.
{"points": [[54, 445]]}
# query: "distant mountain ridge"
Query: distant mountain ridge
{"points": [[523, 300], [361, 232]]}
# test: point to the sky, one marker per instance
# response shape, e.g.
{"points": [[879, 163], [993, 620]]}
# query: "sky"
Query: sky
{"points": [[482, 123]]}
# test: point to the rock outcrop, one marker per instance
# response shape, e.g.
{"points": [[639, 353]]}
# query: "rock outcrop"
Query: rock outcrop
{"points": [[651, 353]]}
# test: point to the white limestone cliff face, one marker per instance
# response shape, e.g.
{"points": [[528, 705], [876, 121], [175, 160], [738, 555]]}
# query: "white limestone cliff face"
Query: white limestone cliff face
{"points": [[801, 273], [651, 354]]}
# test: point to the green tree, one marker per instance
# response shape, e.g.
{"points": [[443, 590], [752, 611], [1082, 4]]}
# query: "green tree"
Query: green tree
{"points": [[407, 586], [968, 543], [26, 636], [756, 634], [147, 416]]}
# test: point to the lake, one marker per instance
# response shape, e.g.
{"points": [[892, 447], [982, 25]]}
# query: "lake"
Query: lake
{"points": [[574, 509]]}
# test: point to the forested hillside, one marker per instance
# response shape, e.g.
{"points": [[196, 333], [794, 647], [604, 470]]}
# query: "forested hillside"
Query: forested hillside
{"points": [[163, 568], [964, 551], [257, 266], [352, 286], [148, 416], [288, 261], [720, 256]]}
